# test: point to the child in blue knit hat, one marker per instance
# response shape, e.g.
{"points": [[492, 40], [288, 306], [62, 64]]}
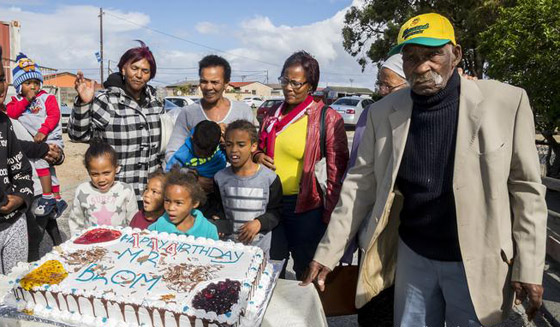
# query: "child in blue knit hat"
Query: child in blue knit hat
{"points": [[39, 113]]}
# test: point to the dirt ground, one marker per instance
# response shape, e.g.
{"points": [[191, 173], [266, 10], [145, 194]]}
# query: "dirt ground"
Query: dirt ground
{"points": [[72, 172]]}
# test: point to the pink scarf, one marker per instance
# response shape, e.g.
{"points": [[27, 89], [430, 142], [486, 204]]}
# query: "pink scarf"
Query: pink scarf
{"points": [[274, 125]]}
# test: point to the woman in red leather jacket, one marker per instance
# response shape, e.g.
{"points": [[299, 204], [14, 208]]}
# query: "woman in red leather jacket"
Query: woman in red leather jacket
{"points": [[289, 143]]}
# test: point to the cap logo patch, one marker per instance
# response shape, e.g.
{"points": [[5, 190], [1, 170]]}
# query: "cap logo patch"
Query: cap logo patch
{"points": [[26, 64], [414, 30]]}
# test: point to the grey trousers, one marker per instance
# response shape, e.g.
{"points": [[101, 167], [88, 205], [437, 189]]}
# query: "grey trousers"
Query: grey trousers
{"points": [[13, 245], [431, 293]]}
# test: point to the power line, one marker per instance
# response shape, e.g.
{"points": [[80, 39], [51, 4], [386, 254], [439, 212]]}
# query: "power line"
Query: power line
{"points": [[189, 41]]}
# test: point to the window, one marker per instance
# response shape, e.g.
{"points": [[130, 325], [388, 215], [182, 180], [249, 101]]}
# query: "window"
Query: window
{"points": [[347, 102]]}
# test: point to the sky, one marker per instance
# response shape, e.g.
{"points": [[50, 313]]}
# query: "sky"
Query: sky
{"points": [[255, 36]]}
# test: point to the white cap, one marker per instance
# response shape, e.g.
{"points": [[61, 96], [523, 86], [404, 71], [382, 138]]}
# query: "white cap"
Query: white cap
{"points": [[395, 63]]}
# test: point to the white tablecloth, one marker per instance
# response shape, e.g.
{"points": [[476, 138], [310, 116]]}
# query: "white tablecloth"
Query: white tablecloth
{"points": [[291, 306], [294, 306]]}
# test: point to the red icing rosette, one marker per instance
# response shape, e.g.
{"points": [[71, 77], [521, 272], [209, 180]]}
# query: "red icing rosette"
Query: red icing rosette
{"points": [[98, 235]]}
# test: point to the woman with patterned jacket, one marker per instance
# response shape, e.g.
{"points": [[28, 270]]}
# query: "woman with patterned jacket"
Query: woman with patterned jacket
{"points": [[126, 115]]}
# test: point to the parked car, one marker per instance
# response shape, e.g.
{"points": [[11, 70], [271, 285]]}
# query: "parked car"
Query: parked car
{"points": [[350, 108], [180, 101], [171, 108], [265, 106], [253, 102], [65, 112]]}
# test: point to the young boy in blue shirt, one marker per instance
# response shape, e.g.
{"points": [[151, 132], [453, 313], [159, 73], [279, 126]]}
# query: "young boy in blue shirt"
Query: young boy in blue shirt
{"points": [[201, 152]]}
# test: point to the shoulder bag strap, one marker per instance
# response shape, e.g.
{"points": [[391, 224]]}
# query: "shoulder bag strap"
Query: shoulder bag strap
{"points": [[323, 132]]}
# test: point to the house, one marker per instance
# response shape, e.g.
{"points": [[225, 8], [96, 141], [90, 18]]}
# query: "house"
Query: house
{"points": [[234, 91], [276, 90], [64, 81], [245, 89], [184, 88]]}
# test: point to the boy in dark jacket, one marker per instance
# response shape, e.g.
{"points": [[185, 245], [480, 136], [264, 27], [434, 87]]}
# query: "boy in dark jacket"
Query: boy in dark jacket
{"points": [[16, 194]]}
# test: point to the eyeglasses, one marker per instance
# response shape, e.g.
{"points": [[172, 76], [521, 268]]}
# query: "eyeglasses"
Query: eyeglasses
{"points": [[387, 88], [294, 84]]}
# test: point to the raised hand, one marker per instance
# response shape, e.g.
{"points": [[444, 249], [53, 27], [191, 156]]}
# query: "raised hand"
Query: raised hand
{"points": [[30, 95], [84, 88]]}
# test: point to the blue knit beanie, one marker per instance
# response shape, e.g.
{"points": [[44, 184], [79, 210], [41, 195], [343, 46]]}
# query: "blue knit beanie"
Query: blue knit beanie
{"points": [[25, 70]]}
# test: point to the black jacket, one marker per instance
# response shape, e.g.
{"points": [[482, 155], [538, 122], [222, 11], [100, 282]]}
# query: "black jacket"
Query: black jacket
{"points": [[15, 172]]}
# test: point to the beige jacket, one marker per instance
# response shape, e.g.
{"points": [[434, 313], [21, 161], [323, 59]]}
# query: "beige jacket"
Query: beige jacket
{"points": [[501, 211]]}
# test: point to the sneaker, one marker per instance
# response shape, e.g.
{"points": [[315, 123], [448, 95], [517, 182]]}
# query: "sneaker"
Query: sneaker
{"points": [[61, 205], [45, 207]]}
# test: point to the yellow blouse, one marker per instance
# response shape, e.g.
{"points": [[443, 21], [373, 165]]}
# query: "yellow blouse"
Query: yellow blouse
{"points": [[288, 155]]}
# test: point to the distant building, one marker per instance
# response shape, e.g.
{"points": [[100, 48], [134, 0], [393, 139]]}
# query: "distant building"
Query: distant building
{"points": [[64, 81], [234, 91], [276, 90], [11, 46], [184, 88], [244, 89]]}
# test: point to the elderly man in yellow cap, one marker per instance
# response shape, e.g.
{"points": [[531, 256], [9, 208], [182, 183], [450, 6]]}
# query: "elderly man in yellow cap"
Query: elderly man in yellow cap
{"points": [[445, 195]]}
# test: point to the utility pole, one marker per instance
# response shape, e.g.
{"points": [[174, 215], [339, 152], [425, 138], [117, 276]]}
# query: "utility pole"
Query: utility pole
{"points": [[351, 82], [267, 76], [101, 42]]}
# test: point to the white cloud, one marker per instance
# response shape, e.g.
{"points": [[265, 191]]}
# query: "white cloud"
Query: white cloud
{"points": [[69, 37], [264, 41], [207, 28]]}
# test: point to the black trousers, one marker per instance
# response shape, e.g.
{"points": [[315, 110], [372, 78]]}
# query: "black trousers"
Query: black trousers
{"points": [[297, 234], [36, 228]]}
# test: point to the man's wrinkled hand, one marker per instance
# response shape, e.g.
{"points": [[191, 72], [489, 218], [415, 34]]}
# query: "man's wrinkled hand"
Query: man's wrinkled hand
{"points": [[532, 292], [316, 271]]}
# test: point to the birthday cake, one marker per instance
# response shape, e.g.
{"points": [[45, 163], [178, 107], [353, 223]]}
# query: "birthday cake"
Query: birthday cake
{"points": [[115, 276]]}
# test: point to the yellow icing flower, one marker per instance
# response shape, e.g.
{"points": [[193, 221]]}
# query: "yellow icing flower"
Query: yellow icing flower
{"points": [[51, 272]]}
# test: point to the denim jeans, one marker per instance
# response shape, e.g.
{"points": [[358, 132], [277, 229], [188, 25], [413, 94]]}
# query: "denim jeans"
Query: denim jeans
{"points": [[431, 293]]}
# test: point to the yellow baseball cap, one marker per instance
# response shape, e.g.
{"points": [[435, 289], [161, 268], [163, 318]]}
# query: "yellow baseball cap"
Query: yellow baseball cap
{"points": [[431, 30]]}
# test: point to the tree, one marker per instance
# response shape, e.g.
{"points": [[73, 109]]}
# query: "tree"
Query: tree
{"points": [[523, 48], [371, 31]]}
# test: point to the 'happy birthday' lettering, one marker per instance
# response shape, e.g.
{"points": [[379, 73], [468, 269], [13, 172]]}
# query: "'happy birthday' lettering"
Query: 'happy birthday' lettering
{"points": [[215, 254]]}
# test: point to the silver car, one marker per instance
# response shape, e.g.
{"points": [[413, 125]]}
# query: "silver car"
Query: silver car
{"points": [[350, 108], [65, 112]]}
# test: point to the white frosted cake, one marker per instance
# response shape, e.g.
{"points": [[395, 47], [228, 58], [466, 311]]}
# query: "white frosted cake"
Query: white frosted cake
{"points": [[127, 277]]}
